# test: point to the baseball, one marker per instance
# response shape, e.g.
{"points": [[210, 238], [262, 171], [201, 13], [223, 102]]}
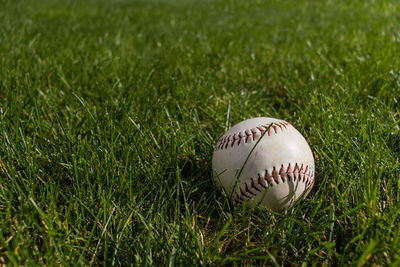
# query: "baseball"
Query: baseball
{"points": [[264, 161]]}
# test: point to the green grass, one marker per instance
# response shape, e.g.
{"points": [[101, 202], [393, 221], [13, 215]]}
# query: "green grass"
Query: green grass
{"points": [[109, 111]]}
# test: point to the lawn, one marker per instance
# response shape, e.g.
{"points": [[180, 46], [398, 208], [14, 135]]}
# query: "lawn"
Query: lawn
{"points": [[109, 111]]}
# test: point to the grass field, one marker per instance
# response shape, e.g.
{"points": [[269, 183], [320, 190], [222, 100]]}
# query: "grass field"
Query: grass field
{"points": [[109, 111]]}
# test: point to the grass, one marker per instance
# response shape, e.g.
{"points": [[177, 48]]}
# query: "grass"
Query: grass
{"points": [[109, 111]]}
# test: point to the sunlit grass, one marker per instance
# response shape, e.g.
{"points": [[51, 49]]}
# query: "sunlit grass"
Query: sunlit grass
{"points": [[109, 111]]}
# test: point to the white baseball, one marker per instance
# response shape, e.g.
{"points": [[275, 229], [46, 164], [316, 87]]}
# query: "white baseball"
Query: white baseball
{"points": [[278, 171]]}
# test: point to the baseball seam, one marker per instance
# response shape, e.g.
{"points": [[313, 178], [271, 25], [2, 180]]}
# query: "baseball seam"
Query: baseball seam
{"points": [[250, 135], [300, 173]]}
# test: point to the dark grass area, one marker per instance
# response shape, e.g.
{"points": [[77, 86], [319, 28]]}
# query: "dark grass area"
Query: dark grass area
{"points": [[109, 111]]}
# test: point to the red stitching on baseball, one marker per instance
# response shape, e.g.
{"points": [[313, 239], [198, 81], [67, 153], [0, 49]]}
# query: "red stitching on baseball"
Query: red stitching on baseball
{"points": [[229, 139], [261, 183], [248, 190], [243, 194], [254, 133], [225, 141], [274, 176], [287, 172], [254, 186], [281, 171], [294, 172], [261, 130], [234, 139], [266, 178], [247, 136]]}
